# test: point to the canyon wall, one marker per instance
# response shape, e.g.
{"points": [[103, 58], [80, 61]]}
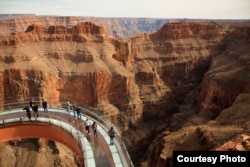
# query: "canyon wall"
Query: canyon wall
{"points": [[59, 63], [183, 74], [117, 28], [220, 101], [142, 78], [228, 75]]}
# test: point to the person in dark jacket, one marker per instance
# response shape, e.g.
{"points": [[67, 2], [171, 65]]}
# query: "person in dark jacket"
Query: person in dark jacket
{"points": [[94, 128], [74, 109], [45, 106], [35, 111], [78, 112], [28, 112]]}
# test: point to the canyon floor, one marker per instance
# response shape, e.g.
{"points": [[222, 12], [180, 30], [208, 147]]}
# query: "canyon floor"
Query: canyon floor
{"points": [[30, 152]]}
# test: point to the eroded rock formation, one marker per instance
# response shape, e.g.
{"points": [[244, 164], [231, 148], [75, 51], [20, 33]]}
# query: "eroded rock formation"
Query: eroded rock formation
{"points": [[145, 73], [239, 143], [169, 81], [223, 95]]}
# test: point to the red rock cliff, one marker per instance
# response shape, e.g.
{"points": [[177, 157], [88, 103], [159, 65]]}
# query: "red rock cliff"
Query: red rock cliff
{"points": [[223, 96], [228, 75], [152, 73], [38, 33]]}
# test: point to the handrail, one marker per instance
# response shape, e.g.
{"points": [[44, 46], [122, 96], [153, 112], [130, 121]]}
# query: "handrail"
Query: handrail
{"points": [[90, 113], [107, 124]]}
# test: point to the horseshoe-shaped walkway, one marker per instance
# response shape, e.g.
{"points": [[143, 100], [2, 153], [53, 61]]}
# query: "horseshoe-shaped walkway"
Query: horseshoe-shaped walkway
{"points": [[94, 151]]}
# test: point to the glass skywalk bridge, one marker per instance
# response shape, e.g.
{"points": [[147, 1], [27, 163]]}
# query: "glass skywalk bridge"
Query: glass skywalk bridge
{"points": [[94, 152]]}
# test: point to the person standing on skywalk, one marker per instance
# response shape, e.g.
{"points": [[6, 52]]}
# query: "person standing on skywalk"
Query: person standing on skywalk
{"points": [[68, 105], [111, 134]]}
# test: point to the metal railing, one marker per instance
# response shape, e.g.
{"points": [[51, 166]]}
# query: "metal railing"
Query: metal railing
{"points": [[91, 113], [107, 124]]}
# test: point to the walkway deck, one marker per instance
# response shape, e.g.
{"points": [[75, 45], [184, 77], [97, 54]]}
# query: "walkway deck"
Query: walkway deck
{"points": [[104, 154]]}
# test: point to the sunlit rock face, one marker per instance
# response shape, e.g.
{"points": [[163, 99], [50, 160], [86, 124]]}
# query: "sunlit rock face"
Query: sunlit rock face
{"points": [[59, 63], [139, 79]]}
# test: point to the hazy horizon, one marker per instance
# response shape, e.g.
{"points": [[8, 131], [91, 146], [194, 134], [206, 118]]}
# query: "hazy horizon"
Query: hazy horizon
{"points": [[175, 9]]}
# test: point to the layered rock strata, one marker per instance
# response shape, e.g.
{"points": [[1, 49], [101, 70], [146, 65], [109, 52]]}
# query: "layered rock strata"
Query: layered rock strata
{"points": [[186, 69], [223, 95], [118, 28], [128, 80]]}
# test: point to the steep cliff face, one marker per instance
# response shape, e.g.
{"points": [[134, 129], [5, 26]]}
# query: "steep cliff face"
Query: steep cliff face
{"points": [[223, 95], [171, 62], [228, 75], [227, 132], [153, 73], [60, 63], [39, 33]]}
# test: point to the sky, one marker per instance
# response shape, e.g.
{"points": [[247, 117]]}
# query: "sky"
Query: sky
{"points": [[193, 9]]}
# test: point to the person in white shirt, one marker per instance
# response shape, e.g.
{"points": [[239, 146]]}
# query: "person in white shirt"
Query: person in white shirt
{"points": [[87, 125]]}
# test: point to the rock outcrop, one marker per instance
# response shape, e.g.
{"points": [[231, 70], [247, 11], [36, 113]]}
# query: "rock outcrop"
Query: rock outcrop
{"points": [[239, 143], [38, 33], [192, 138]]}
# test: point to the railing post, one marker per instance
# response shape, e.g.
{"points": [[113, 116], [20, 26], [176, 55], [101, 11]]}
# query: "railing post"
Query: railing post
{"points": [[71, 128]]}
